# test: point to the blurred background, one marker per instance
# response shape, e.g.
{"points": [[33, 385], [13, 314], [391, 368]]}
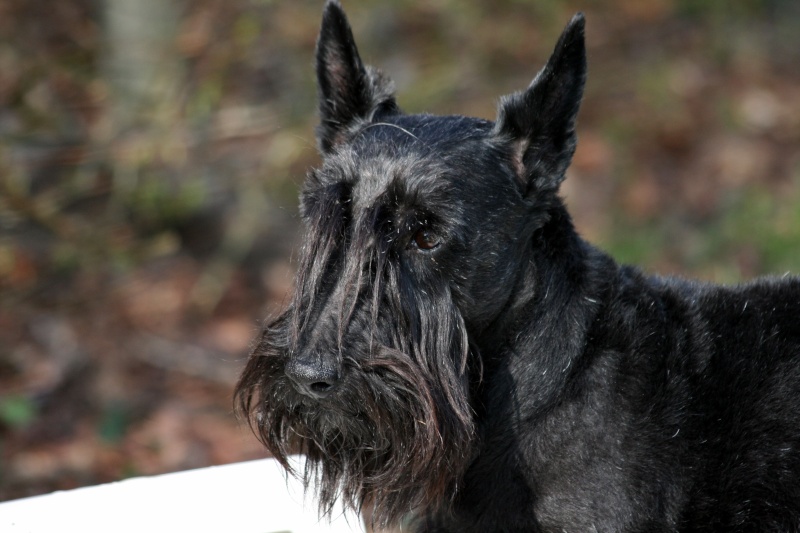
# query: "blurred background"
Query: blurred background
{"points": [[151, 153]]}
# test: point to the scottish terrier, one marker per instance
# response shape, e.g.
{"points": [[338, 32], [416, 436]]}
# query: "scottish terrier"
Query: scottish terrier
{"points": [[456, 358]]}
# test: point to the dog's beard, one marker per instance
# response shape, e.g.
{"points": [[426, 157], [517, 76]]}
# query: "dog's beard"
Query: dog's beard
{"points": [[389, 438]]}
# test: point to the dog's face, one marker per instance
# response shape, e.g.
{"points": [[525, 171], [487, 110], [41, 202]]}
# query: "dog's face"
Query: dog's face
{"points": [[416, 227]]}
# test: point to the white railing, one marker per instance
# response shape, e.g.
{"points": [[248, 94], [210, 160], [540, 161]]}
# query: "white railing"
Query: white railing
{"points": [[250, 497]]}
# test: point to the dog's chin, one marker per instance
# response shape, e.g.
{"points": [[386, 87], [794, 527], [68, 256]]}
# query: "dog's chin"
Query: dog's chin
{"points": [[380, 441]]}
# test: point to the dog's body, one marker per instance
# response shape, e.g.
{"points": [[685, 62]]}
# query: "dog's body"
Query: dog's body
{"points": [[669, 406], [455, 350]]}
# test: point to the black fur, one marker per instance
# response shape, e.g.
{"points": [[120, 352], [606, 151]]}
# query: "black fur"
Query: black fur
{"points": [[454, 351]]}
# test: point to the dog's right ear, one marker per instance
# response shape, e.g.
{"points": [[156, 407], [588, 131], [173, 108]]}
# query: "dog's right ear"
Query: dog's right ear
{"points": [[349, 92], [539, 122]]}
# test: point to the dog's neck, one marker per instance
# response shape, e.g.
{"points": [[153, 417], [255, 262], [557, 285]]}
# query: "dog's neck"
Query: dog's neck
{"points": [[556, 264], [563, 284]]}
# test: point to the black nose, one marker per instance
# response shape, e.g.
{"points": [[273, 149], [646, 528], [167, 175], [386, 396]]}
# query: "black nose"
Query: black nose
{"points": [[314, 376]]}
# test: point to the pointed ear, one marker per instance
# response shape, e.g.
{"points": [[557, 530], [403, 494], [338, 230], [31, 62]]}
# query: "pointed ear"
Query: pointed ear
{"points": [[348, 91], [540, 121]]}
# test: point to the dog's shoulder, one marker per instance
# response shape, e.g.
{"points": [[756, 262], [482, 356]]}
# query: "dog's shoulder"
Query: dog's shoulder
{"points": [[747, 310], [764, 298]]}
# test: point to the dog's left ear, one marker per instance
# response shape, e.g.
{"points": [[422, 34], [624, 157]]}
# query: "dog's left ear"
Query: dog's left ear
{"points": [[348, 90], [540, 121]]}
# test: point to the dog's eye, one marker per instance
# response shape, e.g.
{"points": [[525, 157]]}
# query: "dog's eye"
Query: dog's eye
{"points": [[426, 239]]}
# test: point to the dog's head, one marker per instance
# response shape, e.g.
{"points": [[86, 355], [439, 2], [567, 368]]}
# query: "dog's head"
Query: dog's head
{"points": [[416, 229]]}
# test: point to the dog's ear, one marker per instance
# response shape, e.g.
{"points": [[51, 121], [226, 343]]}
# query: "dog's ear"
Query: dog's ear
{"points": [[348, 90], [540, 121]]}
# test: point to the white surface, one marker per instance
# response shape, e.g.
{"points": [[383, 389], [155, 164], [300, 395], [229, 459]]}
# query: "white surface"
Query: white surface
{"points": [[251, 497]]}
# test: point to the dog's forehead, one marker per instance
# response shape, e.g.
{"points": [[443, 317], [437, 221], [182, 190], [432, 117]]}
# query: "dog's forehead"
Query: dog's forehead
{"points": [[392, 179], [410, 155]]}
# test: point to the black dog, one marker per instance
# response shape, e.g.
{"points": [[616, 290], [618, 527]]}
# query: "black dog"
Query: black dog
{"points": [[454, 351]]}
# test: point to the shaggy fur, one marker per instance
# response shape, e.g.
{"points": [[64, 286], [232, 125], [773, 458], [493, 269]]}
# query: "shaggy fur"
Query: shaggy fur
{"points": [[455, 352]]}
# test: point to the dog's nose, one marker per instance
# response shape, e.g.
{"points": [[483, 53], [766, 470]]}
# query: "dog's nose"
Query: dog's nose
{"points": [[314, 376]]}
